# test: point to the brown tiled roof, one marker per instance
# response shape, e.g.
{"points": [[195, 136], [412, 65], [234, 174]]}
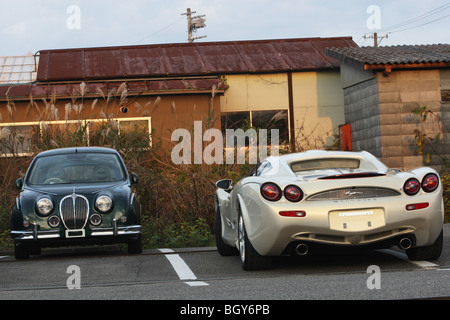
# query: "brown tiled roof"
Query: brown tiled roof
{"points": [[410, 55], [189, 59]]}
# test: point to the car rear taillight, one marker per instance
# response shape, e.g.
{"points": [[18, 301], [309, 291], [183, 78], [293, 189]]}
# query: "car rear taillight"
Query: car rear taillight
{"points": [[270, 191], [298, 213], [417, 206], [411, 186], [430, 182], [293, 193]]}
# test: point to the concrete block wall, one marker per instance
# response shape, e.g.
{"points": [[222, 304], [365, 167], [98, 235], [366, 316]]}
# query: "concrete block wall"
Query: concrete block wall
{"points": [[362, 112], [445, 110], [380, 113], [399, 93]]}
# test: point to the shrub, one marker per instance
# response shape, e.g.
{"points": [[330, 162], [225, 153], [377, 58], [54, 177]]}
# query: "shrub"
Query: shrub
{"points": [[430, 145]]}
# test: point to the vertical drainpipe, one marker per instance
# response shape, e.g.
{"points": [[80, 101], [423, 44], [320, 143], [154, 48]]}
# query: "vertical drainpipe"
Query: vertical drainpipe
{"points": [[291, 112]]}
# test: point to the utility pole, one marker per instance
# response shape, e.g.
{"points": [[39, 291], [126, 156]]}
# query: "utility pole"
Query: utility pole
{"points": [[193, 24], [375, 38]]}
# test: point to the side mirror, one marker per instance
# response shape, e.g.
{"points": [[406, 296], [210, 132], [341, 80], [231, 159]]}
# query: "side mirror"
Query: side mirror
{"points": [[134, 178], [19, 183], [224, 184]]}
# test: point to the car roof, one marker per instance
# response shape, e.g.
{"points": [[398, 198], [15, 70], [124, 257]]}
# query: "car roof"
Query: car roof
{"points": [[77, 150]]}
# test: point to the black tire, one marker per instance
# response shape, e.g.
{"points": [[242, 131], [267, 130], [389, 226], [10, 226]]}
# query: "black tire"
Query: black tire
{"points": [[21, 251], [250, 258], [35, 250], [432, 252], [222, 247], [135, 245]]}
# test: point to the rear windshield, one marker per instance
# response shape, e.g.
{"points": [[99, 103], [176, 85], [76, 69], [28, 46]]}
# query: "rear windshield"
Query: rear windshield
{"points": [[76, 168], [322, 164]]}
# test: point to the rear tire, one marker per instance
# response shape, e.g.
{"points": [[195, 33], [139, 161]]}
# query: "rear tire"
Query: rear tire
{"points": [[250, 258], [432, 252]]}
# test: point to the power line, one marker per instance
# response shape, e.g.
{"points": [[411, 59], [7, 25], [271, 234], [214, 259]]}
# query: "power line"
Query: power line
{"points": [[158, 31], [420, 25], [418, 18], [378, 39]]}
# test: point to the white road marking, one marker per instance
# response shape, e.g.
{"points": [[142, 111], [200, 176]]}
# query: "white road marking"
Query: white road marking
{"points": [[196, 283], [403, 256], [182, 269], [425, 264]]}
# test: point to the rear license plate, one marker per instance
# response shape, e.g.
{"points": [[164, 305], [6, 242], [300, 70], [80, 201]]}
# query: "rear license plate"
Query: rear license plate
{"points": [[356, 220]]}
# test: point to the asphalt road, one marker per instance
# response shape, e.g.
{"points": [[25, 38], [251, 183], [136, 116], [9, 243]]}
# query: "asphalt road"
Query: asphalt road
{"points": [[107, 273]]}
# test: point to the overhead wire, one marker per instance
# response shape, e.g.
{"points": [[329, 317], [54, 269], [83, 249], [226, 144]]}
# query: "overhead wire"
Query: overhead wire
{"points": [[420, 25], [162, 29], [417, 19], [404, 26]]}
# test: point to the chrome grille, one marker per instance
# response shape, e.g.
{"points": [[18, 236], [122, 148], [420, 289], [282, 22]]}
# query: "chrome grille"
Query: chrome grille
{"points": [[74, 211], [354, 193]]}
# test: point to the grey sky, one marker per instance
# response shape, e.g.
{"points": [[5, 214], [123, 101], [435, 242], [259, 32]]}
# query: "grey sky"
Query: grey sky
{"points": [[32, 25]]}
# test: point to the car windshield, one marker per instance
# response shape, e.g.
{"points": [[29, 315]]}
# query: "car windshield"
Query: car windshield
{"points": [[76, 168]]}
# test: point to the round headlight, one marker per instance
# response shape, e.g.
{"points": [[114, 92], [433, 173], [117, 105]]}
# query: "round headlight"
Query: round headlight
{"points": [[103, 204], [44, 206]]}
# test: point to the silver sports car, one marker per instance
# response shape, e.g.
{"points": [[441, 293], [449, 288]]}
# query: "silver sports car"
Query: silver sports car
{"points": [[291, 203]]}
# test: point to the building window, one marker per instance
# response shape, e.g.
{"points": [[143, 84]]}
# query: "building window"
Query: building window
{"points": [[235, 120], [277, 119], [17, 138], [272, 119]]}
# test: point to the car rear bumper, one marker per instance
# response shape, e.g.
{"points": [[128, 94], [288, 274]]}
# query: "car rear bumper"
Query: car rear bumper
{"points": [[345, 225]]}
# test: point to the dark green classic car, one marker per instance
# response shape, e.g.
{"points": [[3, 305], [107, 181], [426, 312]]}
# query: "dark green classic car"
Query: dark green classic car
{"points": [[76, 196]]}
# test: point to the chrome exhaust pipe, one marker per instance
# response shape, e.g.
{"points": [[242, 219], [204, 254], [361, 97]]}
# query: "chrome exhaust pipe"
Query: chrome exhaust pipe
{"points": [[405, 243], [301, 249]]}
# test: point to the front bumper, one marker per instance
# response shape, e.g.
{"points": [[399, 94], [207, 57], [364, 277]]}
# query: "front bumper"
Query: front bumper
{"points": [[98, 232]]}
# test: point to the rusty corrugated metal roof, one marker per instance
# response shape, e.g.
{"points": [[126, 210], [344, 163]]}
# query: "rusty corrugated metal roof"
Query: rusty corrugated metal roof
{"points": [[189, 59], [147, 87]]}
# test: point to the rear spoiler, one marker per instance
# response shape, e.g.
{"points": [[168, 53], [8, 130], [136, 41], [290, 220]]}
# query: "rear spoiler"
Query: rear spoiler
{"points": [[353, 175]]}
